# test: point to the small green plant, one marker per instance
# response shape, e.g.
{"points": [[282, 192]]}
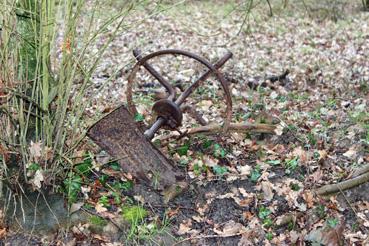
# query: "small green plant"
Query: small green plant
{"points": [[97, 221], [332, 222], [85, 167], [198, 169], [72, 186], [311, 139], [104, 200], [115, 165], [122, 185], [264, 215], [332, 103], [291, 165], [219, 151], [134, 214], [103, 179], [34, 167], [139, 117], [267, 222], [295, 187], [220, 170], [274, 162], [184, 162], [264, 212], [206, 143], [269, 236], [320, 211], [182, 150], [255, 174]]}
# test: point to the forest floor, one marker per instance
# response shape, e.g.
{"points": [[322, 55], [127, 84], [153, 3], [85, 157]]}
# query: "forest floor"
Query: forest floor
{"points": [[246, 188]]}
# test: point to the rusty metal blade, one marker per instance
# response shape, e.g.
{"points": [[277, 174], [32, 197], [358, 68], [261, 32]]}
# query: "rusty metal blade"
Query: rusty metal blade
{"points": [[119, 135]]}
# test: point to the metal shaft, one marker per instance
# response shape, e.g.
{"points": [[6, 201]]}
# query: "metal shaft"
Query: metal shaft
{"points": [[153, 72]]}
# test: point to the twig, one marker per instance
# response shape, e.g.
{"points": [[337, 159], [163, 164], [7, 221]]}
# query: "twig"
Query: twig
{"points": [[348, 202], [344, 185], [209, 236], [213, 129], [270, 8], [171, 207], [359, 171], [237, 127]]}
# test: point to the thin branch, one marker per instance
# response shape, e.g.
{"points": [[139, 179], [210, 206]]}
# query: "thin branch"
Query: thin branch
{"points": [[344, 185], [270, 8], [359, 171], [237, 127], [209, 236]]}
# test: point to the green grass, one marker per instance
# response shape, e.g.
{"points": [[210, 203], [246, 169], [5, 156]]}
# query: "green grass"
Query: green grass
{"points": [[47, 60]]}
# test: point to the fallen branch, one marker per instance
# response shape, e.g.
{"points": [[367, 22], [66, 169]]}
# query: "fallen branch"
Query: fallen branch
{"points": [[359, 171], [344, 185], [209, 236], [213, 129], [237, 127]]}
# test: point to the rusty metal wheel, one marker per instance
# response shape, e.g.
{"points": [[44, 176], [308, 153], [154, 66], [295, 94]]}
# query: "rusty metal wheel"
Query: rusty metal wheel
{"points": [[168, 110]]}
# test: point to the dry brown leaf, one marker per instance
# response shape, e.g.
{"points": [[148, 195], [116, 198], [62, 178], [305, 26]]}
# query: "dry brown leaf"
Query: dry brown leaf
{"points": [[267, 189], [3, 233], [309, 198], [172, 212], [100, 208], [184, 228], [351, 153], [35, 150], [75, 207], [294, 236], [230, 228], [333, 236], [301, 154], [244, 170], [279, 130], [38, 178], [322, 154]]}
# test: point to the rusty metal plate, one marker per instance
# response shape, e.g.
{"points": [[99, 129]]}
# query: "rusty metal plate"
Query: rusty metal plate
{"points": [[119, 135]]}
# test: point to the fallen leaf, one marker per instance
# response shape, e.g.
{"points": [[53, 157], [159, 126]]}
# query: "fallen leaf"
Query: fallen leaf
{"points": [[301, 154], [351, 153], [279, 130], [322, 154], [35, 150], [184, 228], [230, 228], [294, 236], [327, 235], [38, 178], [309, 198], [100, 208], [244, 170], [267, 189], [2, 233], [75, 207]]}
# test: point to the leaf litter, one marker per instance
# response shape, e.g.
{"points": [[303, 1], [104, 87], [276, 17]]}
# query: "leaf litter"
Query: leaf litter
{"points": [[252, 189]]}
